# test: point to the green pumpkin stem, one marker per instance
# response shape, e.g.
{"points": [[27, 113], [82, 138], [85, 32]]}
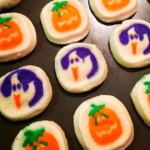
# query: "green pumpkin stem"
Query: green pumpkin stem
{"points": [[32, 136], [6, 25], [104, 115], [43, 143], [95, 109], [147, 84], [58, 5], [4, 20], [35, 148]]}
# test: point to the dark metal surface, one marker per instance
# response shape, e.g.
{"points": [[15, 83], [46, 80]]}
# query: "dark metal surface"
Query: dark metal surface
{"points": [[118, 83]]}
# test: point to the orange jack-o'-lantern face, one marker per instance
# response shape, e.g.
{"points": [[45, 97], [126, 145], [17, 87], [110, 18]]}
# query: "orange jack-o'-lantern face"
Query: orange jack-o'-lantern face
{"points": [[147, 91], [65, 17], [10, 34], [104, 124], [40, 140], [114, 5]]}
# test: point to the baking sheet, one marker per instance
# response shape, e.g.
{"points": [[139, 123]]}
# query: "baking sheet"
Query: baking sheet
{"points": [[119, 81]]}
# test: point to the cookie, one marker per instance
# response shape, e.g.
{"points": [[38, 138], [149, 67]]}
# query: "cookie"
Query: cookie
{"points": [[110, 11], [130, 43], [104, 123], [140, 95], [80, 67], [41, 135], [5, 4], [65, 21], [25, 92], [17, 36]]}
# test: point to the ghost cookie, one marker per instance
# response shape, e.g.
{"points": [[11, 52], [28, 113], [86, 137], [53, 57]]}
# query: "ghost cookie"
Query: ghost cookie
{"points": [[113, 10], [25, 92], [5, 4], [80, 67], [130, 43], [65, 21], [103, 123], [17, 36], [140, 95], [41, 135]]}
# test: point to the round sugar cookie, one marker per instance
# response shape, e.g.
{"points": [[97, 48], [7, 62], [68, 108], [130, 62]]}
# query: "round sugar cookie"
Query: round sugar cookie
{"points": [[130, 43], [103, 123], [113, 10], [41, 135], [65, 21], [140, 96], [5, 4], [80, 67], [24, 93], [17, 36]]}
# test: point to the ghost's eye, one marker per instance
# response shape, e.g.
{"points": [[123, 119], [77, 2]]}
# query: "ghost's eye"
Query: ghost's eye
{"points": [[72, 61], [19, 86], [77, 59], [14, 87], [135, 36], [131, 36]]}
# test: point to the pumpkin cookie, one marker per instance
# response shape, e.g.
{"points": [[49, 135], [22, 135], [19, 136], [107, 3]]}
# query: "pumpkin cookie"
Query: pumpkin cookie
{"points": [[103, 123], [140, 95], [80, 67], [25, 92], [17, 36], [41, 135], [5, 4], [113, 10], [65, 21], [130, 43]]}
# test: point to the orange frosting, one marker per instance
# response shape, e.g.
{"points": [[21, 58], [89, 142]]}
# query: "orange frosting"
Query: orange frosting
{"points": [[149, 98], [66, 18], [10, 35], [108, 128], [114, 5], [45, 142]]}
